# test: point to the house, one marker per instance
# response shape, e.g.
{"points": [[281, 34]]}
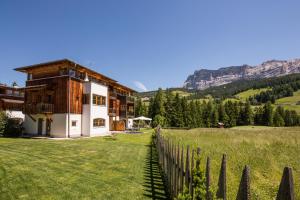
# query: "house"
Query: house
{"points": [[12, 100], [66, 99]]}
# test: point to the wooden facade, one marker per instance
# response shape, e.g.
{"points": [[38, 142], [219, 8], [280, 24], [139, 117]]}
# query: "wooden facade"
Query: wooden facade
{"points": [[11, 98], [50, 87]]}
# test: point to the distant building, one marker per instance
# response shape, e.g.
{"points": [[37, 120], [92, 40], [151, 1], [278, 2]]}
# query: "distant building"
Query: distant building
{"points": [[12, 100], [220, 125], [66, 99]]}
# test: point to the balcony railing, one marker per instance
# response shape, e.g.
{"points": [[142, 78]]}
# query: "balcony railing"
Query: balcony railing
{"points": [[112, 95], [129, 99], [39, 108], [112, 111], [130, 114]]}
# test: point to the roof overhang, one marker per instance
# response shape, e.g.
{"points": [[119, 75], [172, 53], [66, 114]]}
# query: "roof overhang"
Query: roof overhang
{"points": [[80, 68]]}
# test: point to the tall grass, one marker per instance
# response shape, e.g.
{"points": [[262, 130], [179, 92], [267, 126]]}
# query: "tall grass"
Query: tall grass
{"points": [[266, 150]]}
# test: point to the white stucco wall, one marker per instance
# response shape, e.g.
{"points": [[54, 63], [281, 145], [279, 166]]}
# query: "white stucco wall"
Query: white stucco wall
{"points": [[91, 111], [29, 125], [75, 131], [59, 125], [15, 114]]}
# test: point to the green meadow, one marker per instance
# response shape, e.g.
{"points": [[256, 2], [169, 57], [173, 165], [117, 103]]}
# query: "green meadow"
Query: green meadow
{"points": [[124, 166], [248, 93], [291, 103], [119, 167], [266, 150]]}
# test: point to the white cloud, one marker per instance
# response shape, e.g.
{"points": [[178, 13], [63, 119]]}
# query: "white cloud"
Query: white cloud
{"points": [[140, 86]]}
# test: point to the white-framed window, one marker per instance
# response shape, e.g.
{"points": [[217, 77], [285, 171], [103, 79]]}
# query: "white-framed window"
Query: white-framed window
{"points": [[99, 122], [74, 123], [99, 100]]}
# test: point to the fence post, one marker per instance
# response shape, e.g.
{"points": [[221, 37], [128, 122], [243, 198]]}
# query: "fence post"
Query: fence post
{"points": [[182, 170], [286, 188], [187, 168], [208, 180], [192, 173], [244, 189], [177, 170], [221, 193]]}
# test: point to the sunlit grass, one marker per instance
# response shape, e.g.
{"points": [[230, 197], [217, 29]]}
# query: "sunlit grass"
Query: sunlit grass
{"points": [[92, 168], [266, 150]]}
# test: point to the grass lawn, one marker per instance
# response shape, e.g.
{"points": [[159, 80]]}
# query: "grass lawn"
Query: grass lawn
{"points": [[246, 94], [121, 167], [290, 102], [266, 150]]}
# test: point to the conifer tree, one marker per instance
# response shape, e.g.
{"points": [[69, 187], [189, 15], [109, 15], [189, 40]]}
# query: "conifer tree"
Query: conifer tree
{"points": [[277, 118], [178, 114], [248, 114], [169, 108], [268, 114]]}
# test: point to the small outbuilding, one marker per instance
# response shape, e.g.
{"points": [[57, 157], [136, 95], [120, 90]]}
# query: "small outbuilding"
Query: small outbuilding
{"points": [[220, 125]]}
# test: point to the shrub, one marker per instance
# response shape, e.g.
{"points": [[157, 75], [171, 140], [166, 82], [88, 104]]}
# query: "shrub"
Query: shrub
{"points": [[10, 127], [159, 120], [3, 122]]}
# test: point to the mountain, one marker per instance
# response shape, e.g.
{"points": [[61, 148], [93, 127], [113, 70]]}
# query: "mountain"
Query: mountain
{"points": [[204, 78]]}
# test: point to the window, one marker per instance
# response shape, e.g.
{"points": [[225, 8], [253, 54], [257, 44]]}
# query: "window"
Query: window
{"points": [[49, 98], [9, 92], [98, 122], [99, 100], [130, 108], [86, 99], [74, 123], [72, 73]]}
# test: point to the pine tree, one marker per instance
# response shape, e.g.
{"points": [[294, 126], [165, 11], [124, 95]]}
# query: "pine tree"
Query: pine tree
{"points": [[178, 114], [193, 115], [198, 114], [277, 118], [185, 112], [268, 114], [169, 109], [223, 117], [248, 114], [214, 118]]}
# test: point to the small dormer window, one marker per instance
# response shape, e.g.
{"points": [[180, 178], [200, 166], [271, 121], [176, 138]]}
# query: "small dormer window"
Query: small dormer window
{"points": [[72, 73], [29, 76]]}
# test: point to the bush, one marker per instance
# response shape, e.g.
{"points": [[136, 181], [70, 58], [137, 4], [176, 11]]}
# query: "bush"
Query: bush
{"points": [[159, 120], [10, 127], [3, 122]]}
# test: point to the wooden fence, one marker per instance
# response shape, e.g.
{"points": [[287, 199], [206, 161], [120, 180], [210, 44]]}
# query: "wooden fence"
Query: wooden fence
{"points": [[177, 163]]}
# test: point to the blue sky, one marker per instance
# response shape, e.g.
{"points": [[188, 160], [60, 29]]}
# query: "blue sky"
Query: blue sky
{"points": [[157, 43]]}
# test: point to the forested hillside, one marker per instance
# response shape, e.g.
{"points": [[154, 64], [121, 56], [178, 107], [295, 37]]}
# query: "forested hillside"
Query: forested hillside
{"points": [[171, 110]]}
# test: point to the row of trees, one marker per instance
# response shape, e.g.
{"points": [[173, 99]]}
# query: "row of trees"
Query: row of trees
{"points": [[277, 92], [171, 110]]}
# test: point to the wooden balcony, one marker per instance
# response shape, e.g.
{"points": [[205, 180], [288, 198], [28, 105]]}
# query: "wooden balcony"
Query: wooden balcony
{"points": [[112, 111], [113, 95], [39, 108], [130, 114], [129, 99]]}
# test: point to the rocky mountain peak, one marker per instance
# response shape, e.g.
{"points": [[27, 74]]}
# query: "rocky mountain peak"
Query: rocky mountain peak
{"points": [[205, 78]]}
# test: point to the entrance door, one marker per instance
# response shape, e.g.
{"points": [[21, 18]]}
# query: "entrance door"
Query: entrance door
{"points": [[40, 126], [48, 127], [111, 124]]}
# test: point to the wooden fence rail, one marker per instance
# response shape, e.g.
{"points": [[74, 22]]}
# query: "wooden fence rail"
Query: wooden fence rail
{"points": [[177, 165]]}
